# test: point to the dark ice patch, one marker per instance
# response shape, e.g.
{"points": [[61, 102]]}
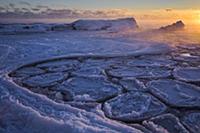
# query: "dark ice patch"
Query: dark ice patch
{"points": [[28, 71], [165, 123], [141, 128], [44, 80], [192, 121], [132, 84], [59, 65]]}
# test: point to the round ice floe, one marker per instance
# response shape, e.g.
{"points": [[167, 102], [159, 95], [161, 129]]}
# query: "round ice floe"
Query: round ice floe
{"points": [[90, 89], [166, 123], [188, 58], [28, 71], [176, 93], [141, 128], [59, 65], [140, 72], [103, 63], [132, 84], [90, 71], [44, 80], [134, 106], [189, 74], [94, 67], [192, 121], [152, 61]]}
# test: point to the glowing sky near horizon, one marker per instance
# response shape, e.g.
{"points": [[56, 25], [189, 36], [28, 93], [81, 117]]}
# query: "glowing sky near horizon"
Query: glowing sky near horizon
{"points": [[107, 4], [164, 11]]}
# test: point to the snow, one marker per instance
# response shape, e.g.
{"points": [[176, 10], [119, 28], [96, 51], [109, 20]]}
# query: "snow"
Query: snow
{"points": [[23, 111], [23, 28], [112, 25]]}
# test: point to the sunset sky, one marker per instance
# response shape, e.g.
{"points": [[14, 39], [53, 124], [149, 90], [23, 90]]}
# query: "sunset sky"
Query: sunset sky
{"points": [[99, 4], [187, 10]]}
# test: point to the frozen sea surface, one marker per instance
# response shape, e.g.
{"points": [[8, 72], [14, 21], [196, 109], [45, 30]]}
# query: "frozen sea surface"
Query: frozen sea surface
{"points": [[97, 81]]}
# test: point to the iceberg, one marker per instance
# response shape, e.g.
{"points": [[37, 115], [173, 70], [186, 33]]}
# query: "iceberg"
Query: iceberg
{"points": [[95, 25]]}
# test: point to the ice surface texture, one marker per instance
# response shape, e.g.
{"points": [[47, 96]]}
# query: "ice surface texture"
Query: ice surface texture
{"points": [[192, 121], [133, 107], [176, 93], [140, 72], [189, 74], [166, 123], [90, 88]]}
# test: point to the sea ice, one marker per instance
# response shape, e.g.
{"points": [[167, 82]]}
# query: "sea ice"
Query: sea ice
{"points": [[141, 128], [188, 74], [168, 123], [118, 24], [44, 80], [92, 88], [27, 72], [175, 93], [133, 106], [192, 121], [23, 28], [152, 61], [140, 72], [132, 84]]}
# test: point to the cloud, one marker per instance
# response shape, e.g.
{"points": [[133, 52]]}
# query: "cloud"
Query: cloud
{"points": [[24, 3], [25, 9], [2, 9], [168, 10], [11, 5], [35, 9], [42, 7], [41, 11], [44, 12]]}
